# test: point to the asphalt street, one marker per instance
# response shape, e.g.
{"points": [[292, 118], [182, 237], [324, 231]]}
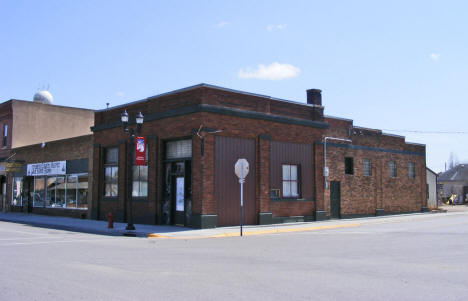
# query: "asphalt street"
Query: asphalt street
{"points": [[420, 258]]}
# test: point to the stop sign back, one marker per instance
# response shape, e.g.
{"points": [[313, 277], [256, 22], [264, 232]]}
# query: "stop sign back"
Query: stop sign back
{"points": [[241, 168]]}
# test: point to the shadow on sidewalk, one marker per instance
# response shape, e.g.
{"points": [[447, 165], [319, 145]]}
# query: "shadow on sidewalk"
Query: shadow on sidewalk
{"points": [[86, 225]]}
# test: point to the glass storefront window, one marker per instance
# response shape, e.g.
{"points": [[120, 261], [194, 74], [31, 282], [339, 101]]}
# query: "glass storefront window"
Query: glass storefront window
{"points": [[83, 192], [50, 192], [38, 195], [17, 198], [60, 195], [71, 191]]}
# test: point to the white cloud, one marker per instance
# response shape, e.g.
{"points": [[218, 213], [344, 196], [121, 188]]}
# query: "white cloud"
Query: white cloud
{"points": [[120, 94], [434, 56], [274, 71], [274, 27], [222, 24]]}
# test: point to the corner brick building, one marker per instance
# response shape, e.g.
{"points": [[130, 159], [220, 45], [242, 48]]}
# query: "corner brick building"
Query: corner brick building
{"points": [[195, 135]]}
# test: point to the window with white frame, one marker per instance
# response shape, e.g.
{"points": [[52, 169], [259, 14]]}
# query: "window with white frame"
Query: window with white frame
{"points": [[366, 167], [411, 170], [392, 169], [290, 181], [111, 172]]}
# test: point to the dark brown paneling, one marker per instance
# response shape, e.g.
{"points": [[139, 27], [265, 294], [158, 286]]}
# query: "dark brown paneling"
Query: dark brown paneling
{"points": [[292, 153], [227, 188]]}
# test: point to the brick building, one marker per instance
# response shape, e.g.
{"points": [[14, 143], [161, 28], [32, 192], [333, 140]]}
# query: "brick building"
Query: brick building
{"points": [[195, 135]]}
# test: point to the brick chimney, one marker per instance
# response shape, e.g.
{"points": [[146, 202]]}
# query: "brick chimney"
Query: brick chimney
{"points": [[314, 97]]}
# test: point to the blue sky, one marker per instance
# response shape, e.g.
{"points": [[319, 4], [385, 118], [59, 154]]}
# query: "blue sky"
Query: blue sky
{"points": [[394, 65]]}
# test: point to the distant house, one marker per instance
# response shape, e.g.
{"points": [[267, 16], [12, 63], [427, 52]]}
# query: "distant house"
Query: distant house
{"points": [[431, 181], [454, 180]]}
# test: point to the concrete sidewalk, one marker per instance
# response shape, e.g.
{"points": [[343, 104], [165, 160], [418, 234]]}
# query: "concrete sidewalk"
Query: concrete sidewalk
{"points": [[175, 232], [86, 225]]}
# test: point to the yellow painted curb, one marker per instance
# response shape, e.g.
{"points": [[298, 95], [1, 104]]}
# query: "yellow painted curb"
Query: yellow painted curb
{"points": [[154, 235], [260, 232]]}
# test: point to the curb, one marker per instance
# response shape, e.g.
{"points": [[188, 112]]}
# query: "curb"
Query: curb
{"points": [[259, 232]]}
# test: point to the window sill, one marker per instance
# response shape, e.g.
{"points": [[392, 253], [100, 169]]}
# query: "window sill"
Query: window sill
{"points": [[110, 198], [63, 208], [291, 200]]}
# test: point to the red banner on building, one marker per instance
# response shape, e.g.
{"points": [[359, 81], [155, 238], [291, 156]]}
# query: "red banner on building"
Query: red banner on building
{"points": [[140, 151]]}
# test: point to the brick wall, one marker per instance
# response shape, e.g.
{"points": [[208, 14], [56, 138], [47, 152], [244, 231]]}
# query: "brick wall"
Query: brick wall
{"points": [[252, 129], [60, 150], [202, 167], [364, 195]]}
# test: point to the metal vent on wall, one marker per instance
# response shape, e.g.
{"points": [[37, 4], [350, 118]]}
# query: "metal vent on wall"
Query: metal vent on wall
{"points": [[179, 149]]}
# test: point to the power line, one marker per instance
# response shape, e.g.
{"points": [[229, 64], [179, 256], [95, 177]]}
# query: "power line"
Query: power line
{"points": [[425, 132]]}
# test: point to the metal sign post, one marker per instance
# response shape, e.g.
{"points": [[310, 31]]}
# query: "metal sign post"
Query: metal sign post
{"points": [[241, 169], [241, 181]]}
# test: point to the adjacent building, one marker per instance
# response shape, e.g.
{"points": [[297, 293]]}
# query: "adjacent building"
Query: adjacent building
{"points": [[44, 156], [432, 199], [54, 178]]}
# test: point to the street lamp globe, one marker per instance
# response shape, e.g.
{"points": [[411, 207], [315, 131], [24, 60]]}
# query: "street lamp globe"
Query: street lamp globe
{"points": [[139, 118], [124, 117]]}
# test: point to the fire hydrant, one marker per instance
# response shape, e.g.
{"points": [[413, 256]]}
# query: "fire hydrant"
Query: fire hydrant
{"points": [[110, 220]]}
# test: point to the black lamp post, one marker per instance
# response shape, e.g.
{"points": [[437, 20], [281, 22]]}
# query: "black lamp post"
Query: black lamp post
{"points": [[131, 149]]}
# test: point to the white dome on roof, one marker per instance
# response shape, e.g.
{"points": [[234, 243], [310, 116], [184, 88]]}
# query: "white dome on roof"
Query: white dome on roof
{"points": [[43, 96]]}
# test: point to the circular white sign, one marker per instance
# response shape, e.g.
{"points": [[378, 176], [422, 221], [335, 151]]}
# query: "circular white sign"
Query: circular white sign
{"points": [[241, 168]]}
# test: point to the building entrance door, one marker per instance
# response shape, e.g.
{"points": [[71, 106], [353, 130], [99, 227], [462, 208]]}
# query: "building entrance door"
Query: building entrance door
{"points": [[178, 200], [177, 204], [335, 199]]}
